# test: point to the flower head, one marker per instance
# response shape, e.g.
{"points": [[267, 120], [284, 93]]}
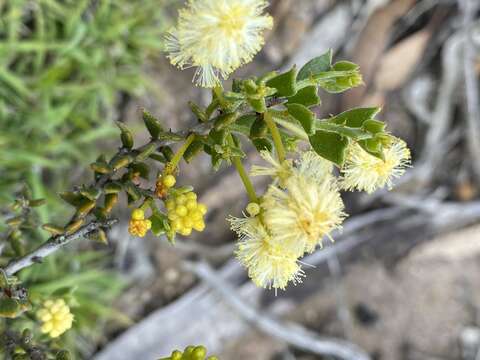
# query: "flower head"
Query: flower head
{"points": [[185, 213], [138, 225], [280, 172], [365, 172], [268, 264], [217, 36], [55, 317], [302, 214]]}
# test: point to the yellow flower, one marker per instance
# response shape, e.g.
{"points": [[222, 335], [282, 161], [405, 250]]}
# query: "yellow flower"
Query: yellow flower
{"points": [[217, 36], [300, 215], [269, 265], [55, 317], [366, 172], [138, 225], [185, 213], [280, 172]]}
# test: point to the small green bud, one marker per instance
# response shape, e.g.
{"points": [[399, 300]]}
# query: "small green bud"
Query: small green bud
{"points": [[125, 136], [63, 355], [73, 226], [121, 162], [53, 229]]}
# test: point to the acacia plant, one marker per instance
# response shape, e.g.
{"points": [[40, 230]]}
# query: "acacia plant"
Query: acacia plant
{"points": [[273, 112]]}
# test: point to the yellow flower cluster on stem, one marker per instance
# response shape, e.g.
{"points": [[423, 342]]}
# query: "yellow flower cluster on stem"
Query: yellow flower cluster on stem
{"points": [[138, 225], [185, 213], [55, 317]]}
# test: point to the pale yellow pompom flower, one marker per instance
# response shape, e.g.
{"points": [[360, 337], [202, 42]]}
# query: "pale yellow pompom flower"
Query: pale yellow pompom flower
{"points": [[217, 36], [55, 317], [279, 172], [268, 264], [365, 172], [300, 215]]}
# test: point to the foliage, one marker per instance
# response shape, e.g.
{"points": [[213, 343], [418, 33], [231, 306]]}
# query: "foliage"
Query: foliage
{"points": [[64, 67]]}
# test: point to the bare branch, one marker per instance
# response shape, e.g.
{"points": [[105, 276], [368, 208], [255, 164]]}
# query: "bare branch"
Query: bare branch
{"points": [[293, 334], [471, 85], [54, 244]]}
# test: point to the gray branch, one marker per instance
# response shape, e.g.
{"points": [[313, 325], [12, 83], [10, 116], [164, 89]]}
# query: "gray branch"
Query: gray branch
{"points": [[291, 333], [54, 244]]}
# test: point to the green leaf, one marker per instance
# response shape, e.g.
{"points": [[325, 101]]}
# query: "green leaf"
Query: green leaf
{"points": [[193, 149], [317, 65], [126, 135], [158, 224], [307, 97], [225, 120], [152, 124], [347, 76], [259, 129], [355, 118], [304, 116], [374, 126], [330, 146], [353, 133], [262, 144], [141, 168], [284, 83]]}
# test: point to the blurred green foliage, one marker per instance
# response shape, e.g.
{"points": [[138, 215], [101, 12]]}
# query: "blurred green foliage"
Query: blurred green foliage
{"points": [[67, 69]]}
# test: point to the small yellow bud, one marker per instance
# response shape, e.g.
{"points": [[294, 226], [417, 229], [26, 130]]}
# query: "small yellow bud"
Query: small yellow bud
{"points": [[186, 231], [169, 181], [191, 204], [202, 208], [181, 210], [191, 195], [170, 204], [187, 222], [181, 199], [138, 214], [199, 225], [253, 209]]}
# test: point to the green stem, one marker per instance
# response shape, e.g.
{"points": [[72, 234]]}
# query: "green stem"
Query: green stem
{"points": [[277, 139], [247, 183], [295, 129], [178, 155]]}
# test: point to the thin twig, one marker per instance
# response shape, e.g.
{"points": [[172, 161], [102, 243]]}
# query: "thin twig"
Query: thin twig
{"points": [[54, 244], [471, 85], [291, 333]]}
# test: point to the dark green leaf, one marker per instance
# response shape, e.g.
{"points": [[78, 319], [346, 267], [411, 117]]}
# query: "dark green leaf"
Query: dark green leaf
{"points": [[374, 126], [259, 129], [355, 118], [284, 83], [125, 136], [353, 133], [153, 125], [304, 116], [330, 146], [158, 224], [319, 64], [225, 120], [193, 149], [262, 144], [307, 96]]}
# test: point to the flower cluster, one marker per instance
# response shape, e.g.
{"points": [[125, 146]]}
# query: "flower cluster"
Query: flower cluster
{"points": [[217, 37], [56, 317], [163, 184], [303, 206], [185, 213], [138, 225], [364, 172], [300, 208], [190, 353]]}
